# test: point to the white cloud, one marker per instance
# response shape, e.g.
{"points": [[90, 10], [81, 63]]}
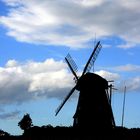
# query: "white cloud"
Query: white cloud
{"points": [[108, 75], [11, 63], [89, 2], [132, 85], [128, 68], [128, 45], [28, 81], [72, 23]]}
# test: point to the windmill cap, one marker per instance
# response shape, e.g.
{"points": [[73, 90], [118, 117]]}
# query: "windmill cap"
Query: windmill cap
{"points": [[92, 80]]}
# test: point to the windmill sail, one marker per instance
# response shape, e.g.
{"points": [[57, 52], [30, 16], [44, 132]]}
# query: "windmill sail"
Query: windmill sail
{"points": [[72, 62], [92, 58], [72, 65], [64, 101]]}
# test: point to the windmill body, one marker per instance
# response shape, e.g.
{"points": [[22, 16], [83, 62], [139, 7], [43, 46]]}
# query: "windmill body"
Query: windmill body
{"points": [[93, 108]]}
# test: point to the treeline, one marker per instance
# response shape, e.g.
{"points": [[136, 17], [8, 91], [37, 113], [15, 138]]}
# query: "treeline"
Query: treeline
{"points": [[48, 132]]}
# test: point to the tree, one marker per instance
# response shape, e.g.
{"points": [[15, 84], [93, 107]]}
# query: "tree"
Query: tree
{"points": [[26, 122], [3, 133]]}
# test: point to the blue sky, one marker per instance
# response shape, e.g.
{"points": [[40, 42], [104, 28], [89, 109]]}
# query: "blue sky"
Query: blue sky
{"points": [[35, 37]]}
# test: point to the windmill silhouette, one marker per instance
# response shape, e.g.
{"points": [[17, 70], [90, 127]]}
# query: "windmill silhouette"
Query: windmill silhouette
{"points": [[93, 108]]}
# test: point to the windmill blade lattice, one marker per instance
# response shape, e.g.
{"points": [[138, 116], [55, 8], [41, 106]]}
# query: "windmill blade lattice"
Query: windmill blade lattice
{"points": [[72, 65], [92, 58], [72, 62]]}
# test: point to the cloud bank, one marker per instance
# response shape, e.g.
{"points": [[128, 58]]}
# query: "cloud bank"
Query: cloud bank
{"points": [[23, 82], [32, 80], [72, 23]]}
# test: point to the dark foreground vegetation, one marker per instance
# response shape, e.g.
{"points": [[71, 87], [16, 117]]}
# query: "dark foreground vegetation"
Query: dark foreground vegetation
{"points": [[69, 133], [48, 132]]}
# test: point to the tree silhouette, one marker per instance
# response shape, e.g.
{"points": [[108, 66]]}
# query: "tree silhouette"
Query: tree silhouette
{"points": [[26, 122], [3, 133]]}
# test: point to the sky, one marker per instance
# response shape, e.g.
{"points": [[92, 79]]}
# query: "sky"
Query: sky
{"points": [[35, 37]]}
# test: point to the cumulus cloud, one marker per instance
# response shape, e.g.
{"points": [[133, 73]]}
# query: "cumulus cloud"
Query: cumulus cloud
{"points": [[20, 82], [108, 75], [72, 23], [132, 84]]}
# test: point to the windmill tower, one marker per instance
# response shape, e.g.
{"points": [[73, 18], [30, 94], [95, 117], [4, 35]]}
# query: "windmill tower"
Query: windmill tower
{"points": [[93, 108]]}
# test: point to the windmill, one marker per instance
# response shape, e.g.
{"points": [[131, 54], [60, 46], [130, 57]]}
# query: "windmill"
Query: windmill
{"points": [[93, 106]]}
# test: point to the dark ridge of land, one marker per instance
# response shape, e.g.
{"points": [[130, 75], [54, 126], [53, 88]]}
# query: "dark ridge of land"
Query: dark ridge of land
{"points": [[70, 133]]}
